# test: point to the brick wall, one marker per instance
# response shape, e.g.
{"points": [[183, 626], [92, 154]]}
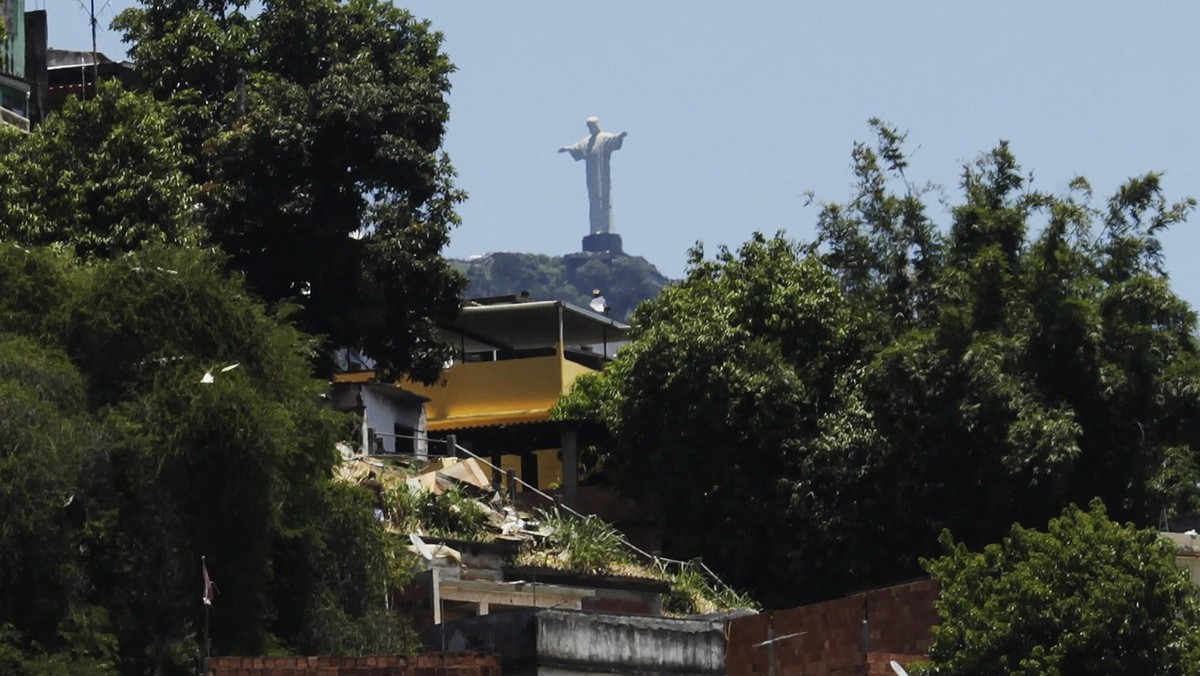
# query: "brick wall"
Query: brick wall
{"points": [[834, 640], [428, 664], [880, 664]]}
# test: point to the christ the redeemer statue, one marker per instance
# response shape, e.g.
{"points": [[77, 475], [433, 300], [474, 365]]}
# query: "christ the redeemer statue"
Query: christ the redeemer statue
{"points": [[597, 149]]}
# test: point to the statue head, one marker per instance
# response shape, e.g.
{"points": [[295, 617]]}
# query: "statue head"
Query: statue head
{"points": [[593, 124]]}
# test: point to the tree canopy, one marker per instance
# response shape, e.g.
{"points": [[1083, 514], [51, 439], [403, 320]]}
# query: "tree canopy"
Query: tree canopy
{"points": [[314, 130], [831, 406], [624, 280], [98, 178], [1088, 596], [280, 186], [119, 469]]}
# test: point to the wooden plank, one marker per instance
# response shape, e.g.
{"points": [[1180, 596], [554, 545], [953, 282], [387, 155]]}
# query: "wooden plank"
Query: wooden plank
{"points": [[527, 594]]}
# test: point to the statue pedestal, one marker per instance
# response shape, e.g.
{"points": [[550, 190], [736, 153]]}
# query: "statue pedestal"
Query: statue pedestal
{"points": [[606, 242]]}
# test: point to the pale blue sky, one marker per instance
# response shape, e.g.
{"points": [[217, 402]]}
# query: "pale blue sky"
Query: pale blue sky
{"points": [[735, 110]]}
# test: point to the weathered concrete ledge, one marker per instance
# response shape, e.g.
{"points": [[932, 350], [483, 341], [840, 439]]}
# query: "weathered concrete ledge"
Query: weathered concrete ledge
{"points": [[546, 642]]}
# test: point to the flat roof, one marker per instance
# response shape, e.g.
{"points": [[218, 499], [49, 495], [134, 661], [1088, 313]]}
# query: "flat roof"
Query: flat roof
{"points": [[519, 326]]}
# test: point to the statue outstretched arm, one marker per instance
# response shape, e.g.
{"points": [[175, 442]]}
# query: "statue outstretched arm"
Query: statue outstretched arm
{"points": [[578, 151]]}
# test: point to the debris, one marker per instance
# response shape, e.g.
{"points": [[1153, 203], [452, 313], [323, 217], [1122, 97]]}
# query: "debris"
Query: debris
{"points": [[426, 482], [436, 552], [208, 379], [469, 471], [422, 548]]}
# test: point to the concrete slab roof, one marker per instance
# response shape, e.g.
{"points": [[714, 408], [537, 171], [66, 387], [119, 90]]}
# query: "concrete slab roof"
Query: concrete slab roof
{"points": [[522, 326]]}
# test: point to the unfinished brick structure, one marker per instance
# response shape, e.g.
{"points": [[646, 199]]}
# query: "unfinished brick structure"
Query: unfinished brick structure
{"points": [[428, 664], [856, 635]]}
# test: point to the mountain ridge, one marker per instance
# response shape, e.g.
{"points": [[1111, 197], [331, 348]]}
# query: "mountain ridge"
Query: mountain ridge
{"points": [[624, 280]]}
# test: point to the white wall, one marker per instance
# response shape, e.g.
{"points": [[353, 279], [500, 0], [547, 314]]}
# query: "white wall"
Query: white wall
{"points": [[382, 413]]}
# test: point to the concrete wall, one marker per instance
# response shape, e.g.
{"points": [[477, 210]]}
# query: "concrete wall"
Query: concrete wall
{"points": [[833, 637], [563, 643], [628, 603], [382, 413], [429, 664], [591, 643]]}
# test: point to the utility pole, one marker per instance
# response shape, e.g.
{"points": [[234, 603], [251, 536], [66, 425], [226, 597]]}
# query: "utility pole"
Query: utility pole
{"points": [[92, 22]]}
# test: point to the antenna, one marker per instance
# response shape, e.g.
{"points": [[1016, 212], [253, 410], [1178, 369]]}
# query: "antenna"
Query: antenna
{"points": [[92, 22]]}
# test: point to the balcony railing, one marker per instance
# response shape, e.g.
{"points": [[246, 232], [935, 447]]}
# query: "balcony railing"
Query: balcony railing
{"points": [[14, 120]]}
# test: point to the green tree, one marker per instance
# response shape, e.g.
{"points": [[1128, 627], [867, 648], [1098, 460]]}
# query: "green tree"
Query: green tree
{"points": [[48, 447], [51, 475], [856, 395], [99, 178], [1087, 597], [315, 129], [236, 470], [738, 360], [119, 469]]}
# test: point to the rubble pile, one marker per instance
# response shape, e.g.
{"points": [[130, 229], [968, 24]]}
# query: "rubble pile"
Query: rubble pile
{"points": [[435, 506]]}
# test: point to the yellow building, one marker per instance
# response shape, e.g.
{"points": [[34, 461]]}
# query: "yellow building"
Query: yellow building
{"points": [[513, 360]]}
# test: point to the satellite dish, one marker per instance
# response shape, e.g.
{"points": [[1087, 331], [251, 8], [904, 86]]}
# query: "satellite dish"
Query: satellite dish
{"points": [[897, 668]]}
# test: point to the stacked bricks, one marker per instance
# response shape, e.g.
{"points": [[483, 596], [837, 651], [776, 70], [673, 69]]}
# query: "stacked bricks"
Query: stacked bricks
{"points": [[428, 664], [834, 639]]}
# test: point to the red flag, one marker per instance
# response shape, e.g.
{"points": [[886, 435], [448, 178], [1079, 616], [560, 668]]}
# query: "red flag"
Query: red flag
{"points": [[210, 589]]}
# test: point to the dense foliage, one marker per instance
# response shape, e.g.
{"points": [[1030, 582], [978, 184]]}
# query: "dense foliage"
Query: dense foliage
{"points": [[815, 414], [624, 280], [98, 178], [1089, 596], [119, 469], [274, 174], [313, 128]]}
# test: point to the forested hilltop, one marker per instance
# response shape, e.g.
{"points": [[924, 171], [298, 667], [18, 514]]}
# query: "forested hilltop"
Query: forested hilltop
{"points": [[809, 416], [175, 265], [624, 280]]}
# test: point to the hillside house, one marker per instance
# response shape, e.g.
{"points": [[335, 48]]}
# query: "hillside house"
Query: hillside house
{"points": [[393, 417], [512, 362]]}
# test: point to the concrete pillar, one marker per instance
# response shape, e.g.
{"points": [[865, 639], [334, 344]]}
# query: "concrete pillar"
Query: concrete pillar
{"points": [[570, 469], [35, 64]]}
